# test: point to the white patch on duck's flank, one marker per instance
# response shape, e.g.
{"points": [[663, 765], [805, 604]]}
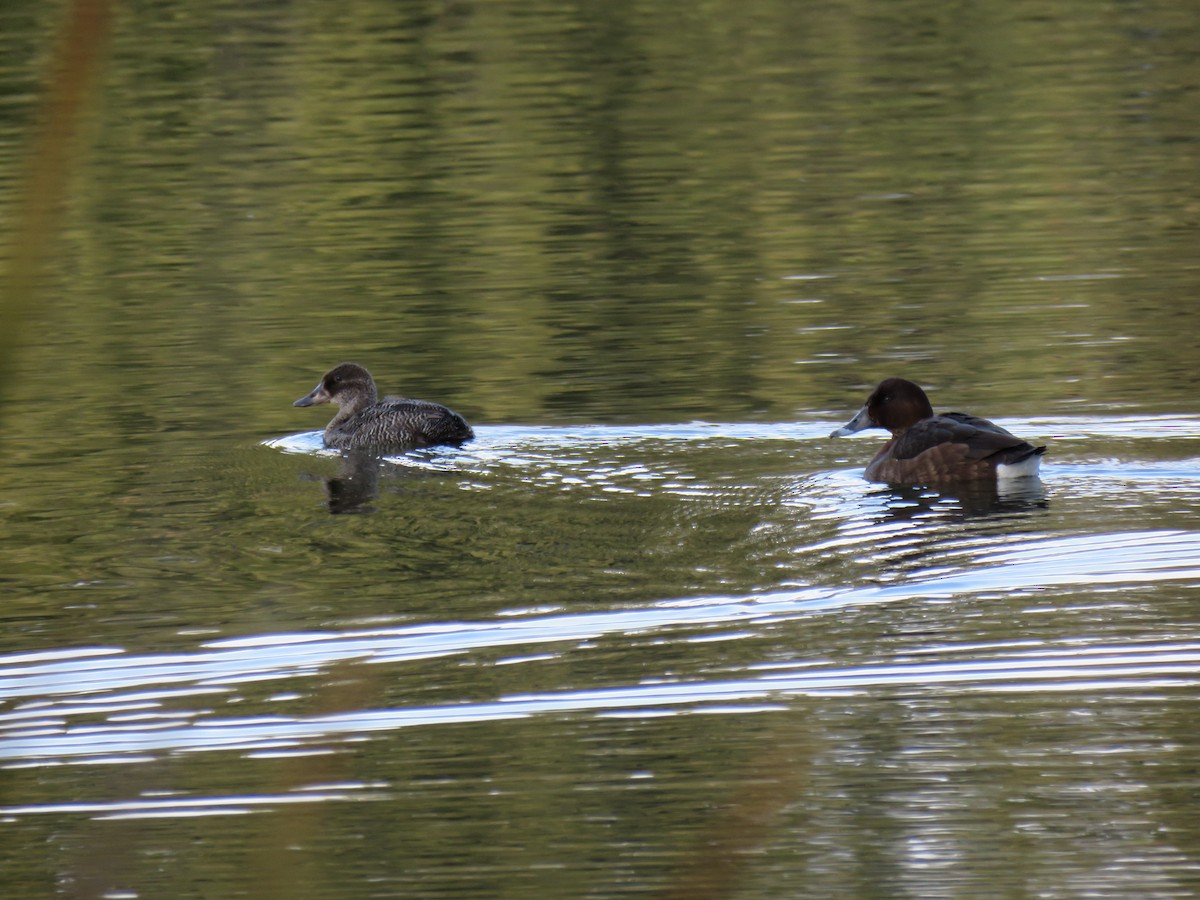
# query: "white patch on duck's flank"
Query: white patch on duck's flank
{"points": [[1026, 468]]}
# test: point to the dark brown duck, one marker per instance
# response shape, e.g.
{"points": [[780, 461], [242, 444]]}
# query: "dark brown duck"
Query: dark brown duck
{"points": [[390, 425], [926, 448]]}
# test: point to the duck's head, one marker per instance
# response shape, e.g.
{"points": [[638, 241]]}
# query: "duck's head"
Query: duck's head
{"points": [[896, 404], [346, 384]]}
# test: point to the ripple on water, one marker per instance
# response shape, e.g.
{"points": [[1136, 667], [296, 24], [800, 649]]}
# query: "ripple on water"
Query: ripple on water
{"points": [[645, 460], [884, 546], [101, 703], [1062, 667]]}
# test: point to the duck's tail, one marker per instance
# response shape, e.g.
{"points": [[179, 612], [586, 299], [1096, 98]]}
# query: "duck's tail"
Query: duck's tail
{"points": [[1021, 462]]}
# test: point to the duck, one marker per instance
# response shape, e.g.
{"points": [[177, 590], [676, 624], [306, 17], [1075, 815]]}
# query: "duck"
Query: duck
{"points": [[393, 424], [927, 448]]}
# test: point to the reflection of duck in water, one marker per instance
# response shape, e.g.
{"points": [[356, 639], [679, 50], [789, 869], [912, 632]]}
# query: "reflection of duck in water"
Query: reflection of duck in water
{"points": [[925, 448], [355, 485], [958, 501], [390, 425]]}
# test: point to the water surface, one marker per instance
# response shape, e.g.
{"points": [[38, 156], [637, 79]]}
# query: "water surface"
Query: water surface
{"points": [[650, 633]]}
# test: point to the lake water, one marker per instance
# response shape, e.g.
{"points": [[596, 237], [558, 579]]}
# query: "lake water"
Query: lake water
{"points": [[650, 634]]}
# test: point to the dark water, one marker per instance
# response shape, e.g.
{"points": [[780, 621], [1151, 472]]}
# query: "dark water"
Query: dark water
{"points": [[650, 633]]}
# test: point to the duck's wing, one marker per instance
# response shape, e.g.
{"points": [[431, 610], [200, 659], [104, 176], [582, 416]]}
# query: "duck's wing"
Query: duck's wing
{"points": [[432, 421], [979, 438]]}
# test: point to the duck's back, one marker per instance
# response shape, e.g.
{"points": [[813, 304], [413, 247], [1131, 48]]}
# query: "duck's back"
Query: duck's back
{"points": [[395, 424]]}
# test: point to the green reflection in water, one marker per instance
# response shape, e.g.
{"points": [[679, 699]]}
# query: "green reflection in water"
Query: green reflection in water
{"points": [[578, 214]]}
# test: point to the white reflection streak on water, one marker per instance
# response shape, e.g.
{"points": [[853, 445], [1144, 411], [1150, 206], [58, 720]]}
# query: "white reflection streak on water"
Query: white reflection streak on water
{"points": [[1158, 666], [508, 439], [191, 807], [108, 684], [1128, 558]]}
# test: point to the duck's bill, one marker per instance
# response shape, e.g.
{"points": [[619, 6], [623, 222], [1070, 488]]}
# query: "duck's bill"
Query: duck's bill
{"points": [[858, 423], [318, 395]]}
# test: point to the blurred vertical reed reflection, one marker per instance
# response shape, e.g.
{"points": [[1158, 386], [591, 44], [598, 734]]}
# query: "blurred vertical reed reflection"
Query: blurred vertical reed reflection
{"points": [[42, 191], [747, 819]]}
